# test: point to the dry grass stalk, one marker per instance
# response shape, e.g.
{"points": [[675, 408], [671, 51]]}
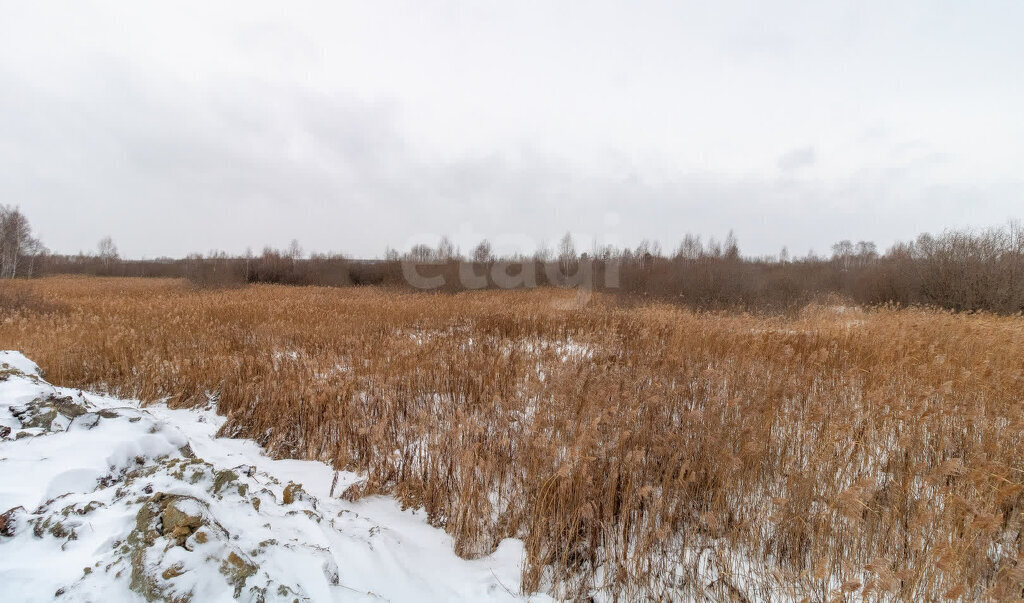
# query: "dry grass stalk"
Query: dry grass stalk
{"points": [[638, 451]]}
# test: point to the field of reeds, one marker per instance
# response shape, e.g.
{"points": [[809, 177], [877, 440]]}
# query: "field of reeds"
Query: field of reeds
{"points": [[638, 450]]}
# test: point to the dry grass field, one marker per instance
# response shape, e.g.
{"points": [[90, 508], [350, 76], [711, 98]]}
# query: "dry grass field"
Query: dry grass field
{"points": [[637, 450]]}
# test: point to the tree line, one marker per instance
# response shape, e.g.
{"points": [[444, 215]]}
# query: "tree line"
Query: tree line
{"points": [[962, 270]]}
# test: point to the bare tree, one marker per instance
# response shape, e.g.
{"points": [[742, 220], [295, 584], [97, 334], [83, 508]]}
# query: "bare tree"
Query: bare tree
{"points": [[691, 248], [732, 247], [421, 253], [248, 263], [842, 252], [866, 252], [643, 253], [566, 253], [713, 249], [543, 253], [15, 239], [107, 251], [482, 253], [446, 250], [33, 250]]}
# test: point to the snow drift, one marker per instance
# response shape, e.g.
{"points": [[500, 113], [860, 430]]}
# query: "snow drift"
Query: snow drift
{"points": [[102, 499]]}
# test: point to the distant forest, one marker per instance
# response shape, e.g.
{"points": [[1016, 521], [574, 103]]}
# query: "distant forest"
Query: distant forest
{"points": [[961, 270]]}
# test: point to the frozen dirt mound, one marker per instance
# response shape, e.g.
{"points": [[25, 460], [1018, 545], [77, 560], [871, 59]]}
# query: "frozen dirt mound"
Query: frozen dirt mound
{"points": [[103, 500]]}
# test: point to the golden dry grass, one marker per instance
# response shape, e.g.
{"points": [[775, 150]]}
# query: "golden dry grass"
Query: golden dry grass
{"points": [[638, 451]]}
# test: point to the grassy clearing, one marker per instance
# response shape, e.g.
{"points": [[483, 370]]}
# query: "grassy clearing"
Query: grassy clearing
{"points": [[638, 451]]}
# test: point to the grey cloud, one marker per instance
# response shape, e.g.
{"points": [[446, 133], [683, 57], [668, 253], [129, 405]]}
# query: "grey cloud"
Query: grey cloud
{"points": [[170, 164], [797, 158], [244, 163]]}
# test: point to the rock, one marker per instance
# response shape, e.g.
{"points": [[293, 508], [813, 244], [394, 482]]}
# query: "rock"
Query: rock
{"points": [[290, 492], [35, 417], [222, 479], [163, 514], [237, 571], [88, 420], [66, 406], [173, 572], [4, 431], [178, 523], [42, 412]]}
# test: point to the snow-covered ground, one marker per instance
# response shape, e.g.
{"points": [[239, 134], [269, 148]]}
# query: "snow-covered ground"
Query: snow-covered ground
{"points": [[104, 500]]}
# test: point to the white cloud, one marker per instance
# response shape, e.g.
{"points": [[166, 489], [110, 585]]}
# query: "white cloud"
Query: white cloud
{"points": [[190, 126]]}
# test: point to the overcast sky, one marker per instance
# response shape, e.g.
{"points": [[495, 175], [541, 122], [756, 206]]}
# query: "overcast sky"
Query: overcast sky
{"points": [[178, 127]]}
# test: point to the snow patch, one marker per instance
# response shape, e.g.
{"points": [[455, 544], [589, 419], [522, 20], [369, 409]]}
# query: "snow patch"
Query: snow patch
{"points": [[104, 499], [10, 359]]}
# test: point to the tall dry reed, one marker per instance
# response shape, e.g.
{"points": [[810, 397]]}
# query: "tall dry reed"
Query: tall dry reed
{"points": [[638, 451]]}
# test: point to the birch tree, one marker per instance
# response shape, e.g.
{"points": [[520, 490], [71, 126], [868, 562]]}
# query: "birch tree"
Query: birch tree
{"points": [[15, 239]]}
